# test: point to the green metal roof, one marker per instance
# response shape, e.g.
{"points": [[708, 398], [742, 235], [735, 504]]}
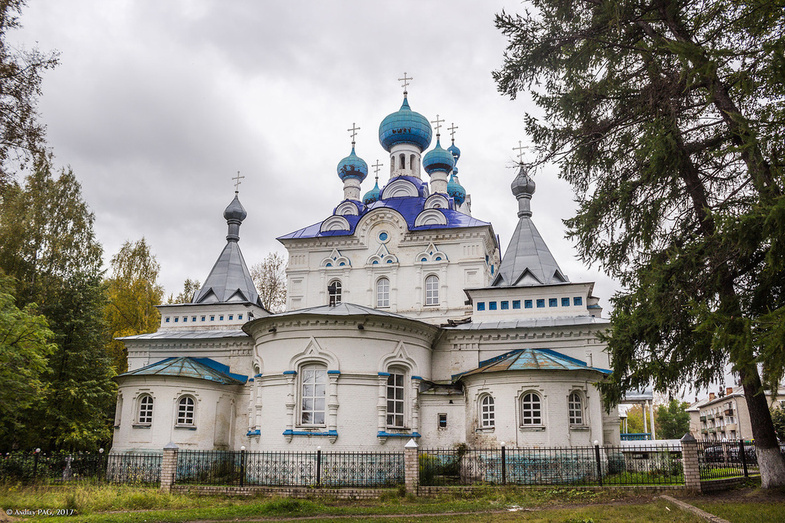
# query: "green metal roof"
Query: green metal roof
{"points": [[198, 368], [530, 359]]}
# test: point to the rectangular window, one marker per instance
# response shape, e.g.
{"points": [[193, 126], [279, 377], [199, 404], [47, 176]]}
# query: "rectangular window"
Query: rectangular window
{"points": [[395, 401], [239, 316], [527, 304], [167, 319], [565, 302], [185, 319], [231, 317], [221, 317], [505, 305], [577, 301], [203, 317], [212, 318], [481, 306], [540, 303], [313, 395], [491, 305], [193, 319], [176, 319], [553, 302], [516, 304], [442, 421]]}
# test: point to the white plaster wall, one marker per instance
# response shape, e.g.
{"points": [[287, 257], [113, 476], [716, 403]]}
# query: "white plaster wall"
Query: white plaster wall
{"points": [[434, 436]]}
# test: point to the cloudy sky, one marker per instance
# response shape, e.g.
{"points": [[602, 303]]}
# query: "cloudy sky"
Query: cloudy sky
{"points": [[157, 104]]}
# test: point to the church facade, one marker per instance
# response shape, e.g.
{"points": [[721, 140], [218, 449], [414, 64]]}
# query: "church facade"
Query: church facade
{"points": [[404, 321]]}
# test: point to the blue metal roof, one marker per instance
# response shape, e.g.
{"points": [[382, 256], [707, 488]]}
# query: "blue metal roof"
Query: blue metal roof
{"points": [[186, 367], [531, 359], [408, 207], [405, 126]]}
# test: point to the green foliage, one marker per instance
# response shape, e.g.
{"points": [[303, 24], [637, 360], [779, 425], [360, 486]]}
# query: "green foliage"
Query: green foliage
{"points": [[133, 294], [778, 418], [48, 245], [668, 119], [269, 276], [189, 288], [21, 135], [673, 420]]}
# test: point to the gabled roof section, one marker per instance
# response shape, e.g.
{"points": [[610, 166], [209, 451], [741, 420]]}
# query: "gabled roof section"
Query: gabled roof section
{"points": [[198, 368], [342, 309], [528, 261], [531, 359]]}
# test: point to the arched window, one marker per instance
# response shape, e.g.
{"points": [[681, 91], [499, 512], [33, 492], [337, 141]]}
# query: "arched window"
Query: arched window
{"points": [[392, 164], [575, 407], [334, 292], [185, 411], [531, 409], [411, 163], [487, 412], [396, 398], [313, 394], [403, 161], [383, 292], [145, 410], [432, 290]]}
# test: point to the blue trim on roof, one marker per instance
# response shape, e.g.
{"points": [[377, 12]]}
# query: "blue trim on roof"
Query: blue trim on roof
{"points": [[290, 432], [256, 432], [383, 434], [384, 374], [220, 367], [417, 377], [487, 362], [557, 354], [289, 372], [333, 372]]}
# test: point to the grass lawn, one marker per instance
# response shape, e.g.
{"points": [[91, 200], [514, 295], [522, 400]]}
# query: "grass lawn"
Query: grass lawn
{"points": [[135, 504]]}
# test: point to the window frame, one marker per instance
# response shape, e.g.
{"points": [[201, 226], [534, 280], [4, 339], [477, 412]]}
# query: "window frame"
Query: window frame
{"points": [[303, 374], [432, 290], [145, 419], [184, 418], [575, 406], [395, 374], [383, 295], [487, 412], [528, 408], [334, 298]]}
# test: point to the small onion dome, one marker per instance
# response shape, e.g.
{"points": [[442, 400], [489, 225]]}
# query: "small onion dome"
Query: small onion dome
{"points": [[438, 159], [235, 211], [373, 195], [522, 184], [352, 167], [456, 153], [456, 190], [405, 126]]}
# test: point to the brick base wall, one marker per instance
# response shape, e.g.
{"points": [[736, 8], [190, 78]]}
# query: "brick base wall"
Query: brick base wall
{"points": [[287, 492]]}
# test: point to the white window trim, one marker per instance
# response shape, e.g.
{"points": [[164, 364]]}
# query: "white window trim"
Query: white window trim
{"points": [[316, 365]]}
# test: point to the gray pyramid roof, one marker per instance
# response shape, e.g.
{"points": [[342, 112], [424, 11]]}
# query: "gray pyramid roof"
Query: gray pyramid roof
{"points": [[527, 254], [230, 280]]}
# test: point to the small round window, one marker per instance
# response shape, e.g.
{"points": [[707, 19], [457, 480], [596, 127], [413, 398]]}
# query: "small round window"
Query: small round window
{"points": [[383, 236]]}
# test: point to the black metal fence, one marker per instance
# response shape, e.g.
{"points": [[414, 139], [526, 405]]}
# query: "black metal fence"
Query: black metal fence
{"points": [[727, 459], [59, 467], [134, 469], [310, 468], [644, 465]]}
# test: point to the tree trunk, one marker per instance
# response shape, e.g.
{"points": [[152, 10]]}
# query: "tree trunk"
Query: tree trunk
{"points": [[767, 449]]}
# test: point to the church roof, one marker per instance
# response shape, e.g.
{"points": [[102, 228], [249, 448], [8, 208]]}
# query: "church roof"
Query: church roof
{"points": [[229, 279], [198, 368], [533, 323], [408, 207], [528, 254], [531, 359], [174, 334], [342, 309]]}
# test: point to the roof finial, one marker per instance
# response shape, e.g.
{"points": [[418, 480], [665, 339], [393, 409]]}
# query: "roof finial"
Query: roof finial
{"points": [[520, 149], [452, 129], [376, 168], [405, 81], [353, 130], [438, 124], [237, 182]]}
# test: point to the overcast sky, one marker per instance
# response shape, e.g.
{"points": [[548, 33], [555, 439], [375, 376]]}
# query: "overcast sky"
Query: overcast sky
{"points": [[157, 104]]}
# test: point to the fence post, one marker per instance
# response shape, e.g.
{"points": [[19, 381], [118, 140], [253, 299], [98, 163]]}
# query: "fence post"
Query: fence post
{"points": [[597, 457], [504, 466], [743, 456], [411, 467], [169, 466], [319, 466], [242, 466], [35, 463], [690, 463]]}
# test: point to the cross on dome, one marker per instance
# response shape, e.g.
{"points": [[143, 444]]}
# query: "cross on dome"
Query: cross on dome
{"points": [[405, 81], [438, 124], [452, 129], [237, 182], [376, 168], [353, 130], [520, 149]]}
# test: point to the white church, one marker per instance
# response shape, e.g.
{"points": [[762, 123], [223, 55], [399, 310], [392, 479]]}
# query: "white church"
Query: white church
{"points": [[404, 321]]}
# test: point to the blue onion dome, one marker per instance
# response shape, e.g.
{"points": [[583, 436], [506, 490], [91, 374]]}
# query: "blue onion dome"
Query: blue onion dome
{"points": [[405, 126], [438, 159], [373, 195], [456, 190], [235, 211], [523, 183], [456, 153], [352, 167]]}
